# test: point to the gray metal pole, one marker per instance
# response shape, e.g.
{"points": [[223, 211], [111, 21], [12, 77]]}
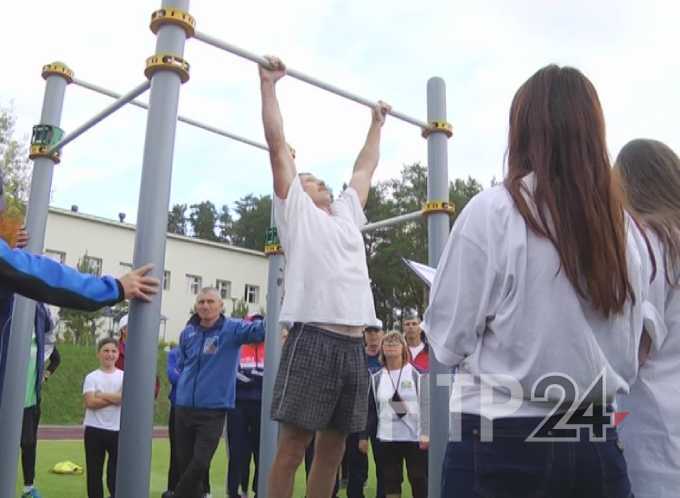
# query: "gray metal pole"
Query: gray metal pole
{"points": [[403, 218], [134, 448], [180, 118], [303, 77], [438, 232], [18, 349], [269, 428], [100, 116]]}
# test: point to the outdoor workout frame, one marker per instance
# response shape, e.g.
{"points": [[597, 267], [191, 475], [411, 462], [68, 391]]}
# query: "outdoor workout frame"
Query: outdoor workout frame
{"points": [[166, 71]]}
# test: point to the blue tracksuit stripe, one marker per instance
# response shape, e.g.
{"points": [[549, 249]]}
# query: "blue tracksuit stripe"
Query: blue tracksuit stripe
{"points": [[42, 279]]}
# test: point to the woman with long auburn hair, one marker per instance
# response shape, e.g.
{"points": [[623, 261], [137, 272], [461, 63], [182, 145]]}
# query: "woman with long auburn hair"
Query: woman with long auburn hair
{"points": [[649, 174], [539, 302]]}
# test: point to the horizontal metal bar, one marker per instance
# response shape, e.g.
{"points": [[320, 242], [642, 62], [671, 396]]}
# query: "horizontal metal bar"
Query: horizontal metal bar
{"points": [[183, 119], [120, 102], [303, 77], [416, 215]]}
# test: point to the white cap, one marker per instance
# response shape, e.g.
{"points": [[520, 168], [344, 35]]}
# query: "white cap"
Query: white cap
{"points": [[122, 323]]}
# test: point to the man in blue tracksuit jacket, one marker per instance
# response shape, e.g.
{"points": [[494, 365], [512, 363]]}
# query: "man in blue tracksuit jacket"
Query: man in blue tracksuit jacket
{"points": [[208, 360]]}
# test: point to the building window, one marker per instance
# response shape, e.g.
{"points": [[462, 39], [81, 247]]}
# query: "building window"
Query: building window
{"points": [[194, 284], [224, 288], [126, 267], [92, 265], [252, 295], [166, 280], [58, 256]]}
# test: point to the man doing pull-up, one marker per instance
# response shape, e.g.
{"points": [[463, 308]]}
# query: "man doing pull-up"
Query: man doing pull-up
{"points": [[322, 383]]}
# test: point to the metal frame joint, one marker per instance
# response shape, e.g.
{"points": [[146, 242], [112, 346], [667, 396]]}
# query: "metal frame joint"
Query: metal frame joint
{"points": [[438, 127], [43, 139], [171, 15], [432, 207], [272, 245], [168, 62], [57, 69]]}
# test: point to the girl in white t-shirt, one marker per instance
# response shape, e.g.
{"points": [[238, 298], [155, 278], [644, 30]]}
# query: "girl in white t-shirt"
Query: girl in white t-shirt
{"points": [[400, 397], [102, 394], [649, 173]]}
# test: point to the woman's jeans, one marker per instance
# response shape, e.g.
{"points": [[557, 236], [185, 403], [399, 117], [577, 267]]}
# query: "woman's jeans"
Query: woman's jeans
{"points": [[510, 467]]}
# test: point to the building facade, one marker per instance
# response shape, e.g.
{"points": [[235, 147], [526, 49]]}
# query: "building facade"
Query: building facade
{"points": [[190, 264]]}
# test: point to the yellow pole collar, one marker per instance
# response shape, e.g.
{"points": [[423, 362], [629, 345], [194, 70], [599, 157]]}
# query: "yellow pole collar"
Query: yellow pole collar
{"points": [[438, 207], [439, 127], [169, 62], [174, 16], [59, 69]]}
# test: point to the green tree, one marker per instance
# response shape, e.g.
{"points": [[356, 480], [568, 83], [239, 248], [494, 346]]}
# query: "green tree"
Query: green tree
{"points": [[225, 225], [203, 220], [396, 290], [253, 220], [177, 219], [82, 325], [14, 161]]}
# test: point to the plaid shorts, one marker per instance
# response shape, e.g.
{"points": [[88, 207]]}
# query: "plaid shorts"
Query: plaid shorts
{"points": [[322, 382]]}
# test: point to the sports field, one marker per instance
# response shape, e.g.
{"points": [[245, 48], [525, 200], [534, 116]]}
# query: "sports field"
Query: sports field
{"points": [[73, 486]]}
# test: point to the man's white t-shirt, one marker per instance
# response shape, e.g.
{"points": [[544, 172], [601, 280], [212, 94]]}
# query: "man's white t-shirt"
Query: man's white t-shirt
{"points": [[326, 277], [500, 304], [107, 418]]}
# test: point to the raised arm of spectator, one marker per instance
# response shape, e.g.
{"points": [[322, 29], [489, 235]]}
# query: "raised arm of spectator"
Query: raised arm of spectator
{"points": [[42, 279], [367, 161], [247, 332], [283, 165]]}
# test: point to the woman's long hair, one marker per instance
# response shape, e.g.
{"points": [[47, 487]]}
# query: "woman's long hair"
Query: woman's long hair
{"points": [[649, 175], [557, 132]]}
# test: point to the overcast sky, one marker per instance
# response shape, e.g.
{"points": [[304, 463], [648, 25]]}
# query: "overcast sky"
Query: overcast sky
{"points": [[379, 49]]}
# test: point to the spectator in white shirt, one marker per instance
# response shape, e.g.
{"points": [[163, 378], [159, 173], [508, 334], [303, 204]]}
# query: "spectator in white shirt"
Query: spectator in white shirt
{"points": [[543, 281], [102, 393], [649, 173], [400, 399]]}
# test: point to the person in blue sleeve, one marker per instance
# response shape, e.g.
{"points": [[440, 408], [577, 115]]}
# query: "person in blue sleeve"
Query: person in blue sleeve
{"points": [[208, 360], [45, 280]]}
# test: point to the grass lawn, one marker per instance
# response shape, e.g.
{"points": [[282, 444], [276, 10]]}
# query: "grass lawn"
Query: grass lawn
{"points": [[60, 486]]}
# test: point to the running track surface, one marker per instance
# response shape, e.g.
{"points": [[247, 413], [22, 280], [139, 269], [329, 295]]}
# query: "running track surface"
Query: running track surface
{"points": [[56, 432]]}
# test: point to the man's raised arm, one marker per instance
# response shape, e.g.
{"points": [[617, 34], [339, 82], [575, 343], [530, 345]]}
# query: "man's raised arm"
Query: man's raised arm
{"points": [[283, 166], [367, 161]]}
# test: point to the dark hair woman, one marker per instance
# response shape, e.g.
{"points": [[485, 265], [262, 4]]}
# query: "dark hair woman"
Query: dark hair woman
{"points": [[538, 301], [649, 174]]}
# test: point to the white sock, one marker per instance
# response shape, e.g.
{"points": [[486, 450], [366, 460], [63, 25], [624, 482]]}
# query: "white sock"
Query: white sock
{"points": [[28, 488]]}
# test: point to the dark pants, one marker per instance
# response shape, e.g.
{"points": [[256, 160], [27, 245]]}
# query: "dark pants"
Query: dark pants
{"points": [[99, 443], [29, 441], [197, 434], [243, 435], [393, 457], [376, 448], [511, 467], [173, 470], [357, 466]]}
